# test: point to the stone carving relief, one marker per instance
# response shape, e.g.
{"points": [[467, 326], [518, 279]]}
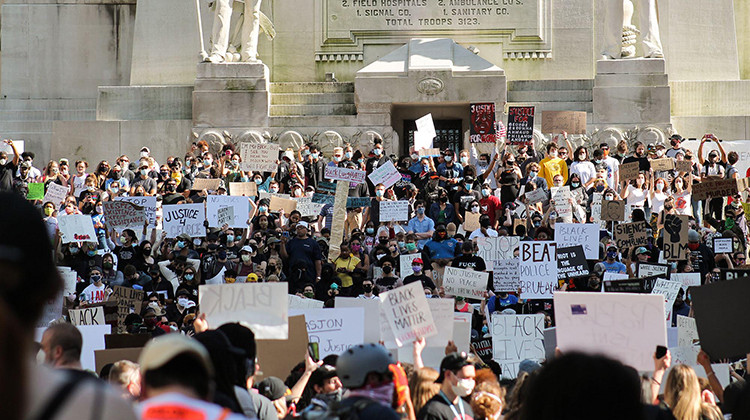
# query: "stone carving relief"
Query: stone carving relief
{"points": [[215, 140], [651, 135], [610, 135], [430, 86], [291, 139], [251, 136], [329, 140]]}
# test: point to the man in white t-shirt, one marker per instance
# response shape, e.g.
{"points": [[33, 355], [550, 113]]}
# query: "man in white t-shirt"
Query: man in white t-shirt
{"points": [[613, 174], [97, 291]]}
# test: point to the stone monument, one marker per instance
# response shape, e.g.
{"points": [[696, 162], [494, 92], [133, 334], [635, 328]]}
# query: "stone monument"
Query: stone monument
{"points": [[247, 29], [620, 40]]}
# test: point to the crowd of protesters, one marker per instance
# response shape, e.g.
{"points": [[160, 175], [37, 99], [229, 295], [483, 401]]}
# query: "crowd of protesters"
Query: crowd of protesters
{"points": [[194, 370]]}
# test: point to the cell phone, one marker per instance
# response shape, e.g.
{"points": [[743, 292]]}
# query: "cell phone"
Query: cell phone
{"points": [[661, 351], [312, 348], [285, 234]]}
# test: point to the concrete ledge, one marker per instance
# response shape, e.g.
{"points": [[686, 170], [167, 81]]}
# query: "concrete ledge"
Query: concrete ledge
{"points": [[606, 80], [116, 103], [230, 108], [631, 66], [711, 98], [724, 127], [631, 105], [232, 70]]}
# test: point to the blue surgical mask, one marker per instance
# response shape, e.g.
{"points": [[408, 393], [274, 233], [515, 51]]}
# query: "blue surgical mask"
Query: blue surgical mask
{"points": [[485, 330], [469, 186], [448, 158], [532, 174], [401, 244], [377, 152], [379, 193], [73, 249], [91, 252], [189, 277], [370, 231], [575, 184], [426, 168], [258, 180], [262, 209], [486, 192], [180, 244], [315, 155], [420, 210], [348, 155]]}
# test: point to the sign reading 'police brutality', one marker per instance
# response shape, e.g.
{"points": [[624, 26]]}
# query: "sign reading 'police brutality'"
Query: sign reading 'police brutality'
{"points": [[184, 218], [468, 283], [408, 313], [538, 269], [262, 307]]}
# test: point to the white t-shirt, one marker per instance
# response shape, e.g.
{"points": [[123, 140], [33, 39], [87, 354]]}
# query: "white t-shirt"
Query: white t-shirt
{"points": [[95, 294], [584, 169], [613, 166], [657, 202], [79, 184], [491, 233], [172, 406], [636, 196]]}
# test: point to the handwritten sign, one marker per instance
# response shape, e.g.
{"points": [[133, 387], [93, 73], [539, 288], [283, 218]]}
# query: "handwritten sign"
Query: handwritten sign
{"points": [[148, 204], [499, 248], [571, 262], [236, 218], [482, 127], [124, 214], [128, 301], [668, 289], [353, 176], [307, 208], [296, 302], [613, 210], [324, 199], [686, 279], [516, 338], [432, 152], [247, 189], [536, 196], [723, 246], [336, 330], [538, 269], [208, 184], [87, 316], [716, 187], [287, 204], [687, 331], [663, 164], [471, 221], [55, 194], [394, 210], [408, 313], [683, 165], [583, 234], [624, 326], [426, 127], [645, 269], [571, 122], [386, 174], [260, 157], [468, 283], [262, 307], [629, 170], [520, 125], [224, 216], [36, 191], [562, 196], [405, 261], [505, 275], [732, 274], [631, 235], [76, 228], [184, 218], [675, 237], [358, 202]]}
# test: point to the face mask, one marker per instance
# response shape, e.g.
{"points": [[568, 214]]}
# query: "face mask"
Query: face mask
{"points": [[485, 330], [379, 193], [463, 388], [48, 211], [298, 192], [582, 156], [348, 155], [605, 152], [575, 184], [53, 170], [426, 168], [411, 246], [95, 278], [182, 301], [401, 244], [308, 295], [367, 288], [660, 152], [274, 189], [735, 204], [693, 245], [482, 163], [448, 158], [3, 161], [609, 197], [356, 248], [245, 257], [464, 160], [370, 231], [416, 269], [444, 199], [262, 209], [99, 209], [315, 155], [612, 255], [475, 209], [441, 235], [420, 210], [383, 241], [91, 252], [387, 269], [469, 186], [207, 162], [91, 188], [678, 184], [180, 244], [378, 152], [189, 277], [486, 193], [414, 156], [196, 242], [553, 154], [222, 255], [537, 224], [659, 186], [144, 172], [599, 188], [337, 158], [107, 265], [532, 174]]}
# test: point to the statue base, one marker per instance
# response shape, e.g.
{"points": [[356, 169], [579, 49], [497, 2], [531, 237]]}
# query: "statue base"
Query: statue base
{"points": [[231, 95]]}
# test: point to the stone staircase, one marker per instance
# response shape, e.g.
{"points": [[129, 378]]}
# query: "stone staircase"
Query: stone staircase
{"points": [[553, 95], [300, 99]]}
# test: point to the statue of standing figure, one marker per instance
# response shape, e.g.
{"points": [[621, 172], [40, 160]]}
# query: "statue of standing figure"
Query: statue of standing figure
{"points": [[242, 45], [620, 34]]}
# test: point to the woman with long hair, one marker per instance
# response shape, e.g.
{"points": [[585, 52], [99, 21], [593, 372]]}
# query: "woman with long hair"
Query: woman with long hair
{"points": [[423, 387], [682, 394]]}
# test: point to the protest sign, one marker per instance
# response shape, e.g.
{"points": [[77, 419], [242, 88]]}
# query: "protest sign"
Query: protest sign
{"points": [[630, 235], [675, 237], [644, 285], [112, 355], [128, 301], [5, 147], [505, 275], [87, 316], [467, 283], [325, 187], [339, 216], [482, 127], [76, 228], [686, 279], [731, 274], [307, 208], [683, 165], [36, 191], [557, 122], [613, 210], [423, 141], [426, 127], [644, 269], [723, 246], [148, 204], [663, 164], [434, 152], [70, 278], [538, 269], [471, 221], [239, 214], [336, 330], [52, 310], [353, 176], [668, 289], [629, 171], [626, 327], [55, 194], [571, 262], [396, 211], [280, 356], [482, 347], [499, 248], [296, 302], [387, 174], [224, 216], [260, 157], [184, 218], [536, 196], [262, 307], [716, 187], [324, 199], [717, 308], [687, 331], [442, 311], [596, 210], [246, 189], [124, 214], [208, 184], [266, 195], [583, 234], [405, 261], [408, 313], [562, 196], [516, 338], [287, 204], [520, 125], [371, 309]]}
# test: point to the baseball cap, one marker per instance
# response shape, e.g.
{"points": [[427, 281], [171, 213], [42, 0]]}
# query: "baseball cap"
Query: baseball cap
{"points": [[453, 361], [641, 250], [693, 236], [273, 388], [321, 374], [161, 350], [416, 261], [184, 236], [303, 224], [247, 248]]}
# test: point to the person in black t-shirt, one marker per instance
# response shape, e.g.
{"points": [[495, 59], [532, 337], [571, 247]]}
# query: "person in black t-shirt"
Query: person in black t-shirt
{"points": [[468, 260], [417, 266]]}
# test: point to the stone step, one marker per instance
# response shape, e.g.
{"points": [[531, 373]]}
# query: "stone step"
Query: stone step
{"points": [[550, 96], [556, 106], [324, 109], [55, 114], [47, 104], [311, 98], [324, 121], [544, 85], [312, 87]]}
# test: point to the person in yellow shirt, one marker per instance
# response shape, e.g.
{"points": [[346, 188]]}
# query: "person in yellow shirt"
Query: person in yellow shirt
{"points": [[345, 264], [552, 165]]}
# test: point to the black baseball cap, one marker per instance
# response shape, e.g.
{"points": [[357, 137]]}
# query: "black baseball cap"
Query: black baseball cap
{"points": [[452, 362]]}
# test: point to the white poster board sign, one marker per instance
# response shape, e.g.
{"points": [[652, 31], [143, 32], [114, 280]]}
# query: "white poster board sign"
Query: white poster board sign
{"points": [[55, 194], [387, 174], [76, 228], [467, 283], [334, 329], [372, 322], [259, 157], [262, 307], [184, 218], [538, 269], [405, 264], [686, 279], [240, 209], [669, 290], [561, 196], [687, 331], [505, 275], [87, 316], [408, 313], [516, 338], [148, 204], [584, 234], [426, 126], [499, 248], [93, 339], [397, 211], [296, 302]]}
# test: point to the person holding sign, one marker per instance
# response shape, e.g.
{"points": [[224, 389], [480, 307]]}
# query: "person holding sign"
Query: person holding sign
{"points": [[635, 191], [97, 291]]}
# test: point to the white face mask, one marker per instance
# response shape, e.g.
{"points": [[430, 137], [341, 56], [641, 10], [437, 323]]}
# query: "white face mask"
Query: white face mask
{"points": [[553, 154], [582, 156], [182, 301], [609, 197], [660, 152], [463, 388], [659, 186]]}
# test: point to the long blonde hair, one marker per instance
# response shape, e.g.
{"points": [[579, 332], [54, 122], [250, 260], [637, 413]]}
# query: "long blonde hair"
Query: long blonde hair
{"points": [[682, 393], [423, 387]]}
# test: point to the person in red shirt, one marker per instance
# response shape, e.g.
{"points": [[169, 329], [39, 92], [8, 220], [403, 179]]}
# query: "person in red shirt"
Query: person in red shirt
{"points": [[490, 205]]}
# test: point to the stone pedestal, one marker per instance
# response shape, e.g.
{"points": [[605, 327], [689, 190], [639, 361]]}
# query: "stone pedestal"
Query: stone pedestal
{"points": [[231, 95]]}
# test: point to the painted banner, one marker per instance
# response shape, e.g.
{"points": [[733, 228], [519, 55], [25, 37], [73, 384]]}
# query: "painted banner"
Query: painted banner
{"points": [[247, 189], [482, 127], [668, 289], [262, 307], [405, 261], [499, 248], [129, 301]]}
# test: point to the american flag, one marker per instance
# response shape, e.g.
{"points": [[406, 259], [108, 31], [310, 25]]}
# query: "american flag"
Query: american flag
{"points": [[500, 129]]}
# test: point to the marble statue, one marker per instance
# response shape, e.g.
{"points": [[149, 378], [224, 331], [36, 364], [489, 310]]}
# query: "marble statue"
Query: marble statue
{"points": [[620, 34], [246, 33]]}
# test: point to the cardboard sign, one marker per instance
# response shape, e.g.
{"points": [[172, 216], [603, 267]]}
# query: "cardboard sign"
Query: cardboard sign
{"points": [[723, 246], [687, 331], [433, 152], [128, 301], [516, 338], [482, 123], [663, 164], [76, 228], [387, 174], [184, 218], [571, 122], [505, 275], [538, 269], [148, 204], [571, 262], [124, 214], [644, 269], [520, 125], [107, 356], [262, 307], [499, 248], [36, 191], [668, 289], [239, 206], [716, 187], [467, 283], [536, 196], [55, 194], [629, 171], [339, 216], [397, 211], [287, 204], [353, 176], [630, 235], [675, 237], [730, 274], [626, 327], [246, 189], [371, 309], [208, 184], [336, 330], [307, 208], [87, 316], [683, 166], [583, 234], [613, 210], [471, 221], [408, 313], [718, 307], [278, 357], [405, 261], [260, 157]]}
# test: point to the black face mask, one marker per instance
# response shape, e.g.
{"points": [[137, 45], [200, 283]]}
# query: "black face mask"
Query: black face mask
{"points": [[387, 269], [444, 199], [383, 241], [367, 287], [171, 188]]}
